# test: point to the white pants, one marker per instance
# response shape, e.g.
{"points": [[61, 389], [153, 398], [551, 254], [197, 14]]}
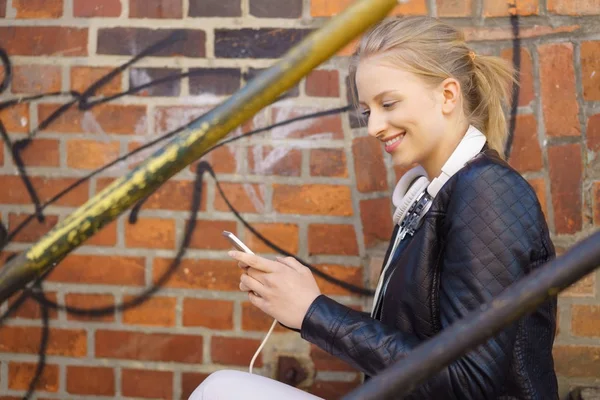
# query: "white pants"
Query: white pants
{"points": [[231, 384]]}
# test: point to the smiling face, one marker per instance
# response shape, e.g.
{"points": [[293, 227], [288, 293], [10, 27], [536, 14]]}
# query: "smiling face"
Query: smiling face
{"points": [[410, 117]]}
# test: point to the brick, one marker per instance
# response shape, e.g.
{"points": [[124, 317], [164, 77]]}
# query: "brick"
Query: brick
{"points": [[569, 7], [321, 83], [2, 8], [148, 346], [44, 41], [83, 77], [151, 233], [252, 73], [46, 188], [565, 186], [155, 311], [493, 8], [454, 8], [96, 8], [256, 43], [369, 167], [526, 152], [1, 154], [526, 92], [129, 41], [273, 9], [102, 119], [332, 239], [208, 234], [222, 160], [326, 362], [30, 308], [329, 127], [61, 342], [558, 90], [212, 314], [577, 361], [475, 34], [313, 199], [36, 79], [217, 81], [87, 302], [267, 160], [283, 235], [97, 269], [585, 287], [34, 230], [155, 9], [189, 382], [234, 351], [38, 9], [328, 8], [41, 153], [215, 8], [106, 236], [147, 384], [91, 380], [168, 119], [376, 219], [253, 319], [539, 186], [244, 197], [21, 374], [172, 195], [328, 162], [590, 67], [352, 275], [16, 119], [585, 320], [332, 389], [142, 76], [199, 274], [90, 154], [593, 132]]}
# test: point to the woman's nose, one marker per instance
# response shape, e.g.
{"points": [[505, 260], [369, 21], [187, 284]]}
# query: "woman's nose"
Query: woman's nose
{"points": [[376, 125]]}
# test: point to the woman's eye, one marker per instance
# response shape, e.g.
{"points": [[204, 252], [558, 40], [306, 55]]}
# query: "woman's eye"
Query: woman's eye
{"points": [[388, 104], [365, 113]]}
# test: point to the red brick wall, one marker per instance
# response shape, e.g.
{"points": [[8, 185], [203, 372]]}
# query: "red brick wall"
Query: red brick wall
{"points": [[319, 188]]}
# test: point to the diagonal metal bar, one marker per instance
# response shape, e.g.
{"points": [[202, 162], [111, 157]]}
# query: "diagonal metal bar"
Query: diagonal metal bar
{"points": [[190, 144], [516, 301]]}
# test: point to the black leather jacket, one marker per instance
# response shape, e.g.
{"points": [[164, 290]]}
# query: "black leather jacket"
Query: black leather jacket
{"points": [[484, 231]]}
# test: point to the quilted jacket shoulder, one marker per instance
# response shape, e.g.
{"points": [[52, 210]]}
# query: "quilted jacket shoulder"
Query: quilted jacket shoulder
{"points": [[484, 231]]}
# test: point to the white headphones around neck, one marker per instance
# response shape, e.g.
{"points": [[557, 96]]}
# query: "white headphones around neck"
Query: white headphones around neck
{"points": [[414, 193]]}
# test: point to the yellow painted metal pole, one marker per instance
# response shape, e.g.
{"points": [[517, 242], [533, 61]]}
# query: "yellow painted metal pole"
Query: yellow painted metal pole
{"points": [[191, 144]]}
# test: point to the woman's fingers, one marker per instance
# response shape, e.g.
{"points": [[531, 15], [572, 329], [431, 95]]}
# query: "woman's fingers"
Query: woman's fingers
{"points": [[254, 261], [251, 285], [291, 262]]}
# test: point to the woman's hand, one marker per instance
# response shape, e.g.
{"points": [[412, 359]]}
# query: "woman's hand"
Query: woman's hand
{"points": [[285, 288]]}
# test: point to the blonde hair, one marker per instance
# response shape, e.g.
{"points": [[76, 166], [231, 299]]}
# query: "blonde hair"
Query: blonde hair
{"points": [[435, 51]]}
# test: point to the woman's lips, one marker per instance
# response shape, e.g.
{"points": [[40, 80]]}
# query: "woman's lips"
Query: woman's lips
{"points": [[392, 144]]}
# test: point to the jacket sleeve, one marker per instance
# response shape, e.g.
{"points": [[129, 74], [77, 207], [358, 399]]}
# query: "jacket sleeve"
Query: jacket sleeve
{"points": [[492, 226]]}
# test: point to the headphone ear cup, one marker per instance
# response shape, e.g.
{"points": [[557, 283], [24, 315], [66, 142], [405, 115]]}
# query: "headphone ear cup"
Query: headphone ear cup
{"points": [[418, 186]]}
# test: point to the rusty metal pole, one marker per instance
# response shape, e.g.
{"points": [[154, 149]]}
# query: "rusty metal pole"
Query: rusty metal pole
{"points": [[516, 301], [191, 144]]}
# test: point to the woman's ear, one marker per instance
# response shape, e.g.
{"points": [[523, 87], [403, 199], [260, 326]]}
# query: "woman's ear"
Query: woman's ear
{"points": [[451, 95]]}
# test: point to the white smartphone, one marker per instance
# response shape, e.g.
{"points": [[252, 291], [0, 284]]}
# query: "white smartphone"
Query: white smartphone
{"points": [[237, 243]]}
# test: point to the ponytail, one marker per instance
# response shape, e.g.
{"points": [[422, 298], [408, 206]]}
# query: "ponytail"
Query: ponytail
{"points": [[491, 89]]}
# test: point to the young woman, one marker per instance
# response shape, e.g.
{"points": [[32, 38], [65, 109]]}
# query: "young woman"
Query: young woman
{"points": [[467, 224]]}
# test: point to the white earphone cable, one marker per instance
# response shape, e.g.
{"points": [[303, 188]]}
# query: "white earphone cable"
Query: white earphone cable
{"points": [[262, 345]]}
